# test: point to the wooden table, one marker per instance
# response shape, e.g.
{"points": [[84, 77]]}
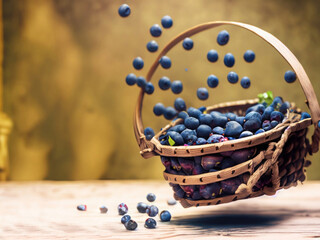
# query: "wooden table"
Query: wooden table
{"points": [[47, 210]]}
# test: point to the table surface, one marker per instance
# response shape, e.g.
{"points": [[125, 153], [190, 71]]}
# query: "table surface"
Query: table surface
{"points": [[47, 210]]}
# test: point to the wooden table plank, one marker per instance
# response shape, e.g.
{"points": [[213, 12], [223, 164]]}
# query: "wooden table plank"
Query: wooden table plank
{"points": [[47, 210]]}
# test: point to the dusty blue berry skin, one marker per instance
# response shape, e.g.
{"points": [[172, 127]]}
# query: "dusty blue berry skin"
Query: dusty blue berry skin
{"points": [[191, 123], [202, 93], [232, 77], [152, 211], [142, 207], [284, 107], [277, 116], [141, 82], [138, 63], [131, 79], [124, 10], [180, 105], [218, 130], [274, 123], [176, 87], [201, 141], [193, 112], [305, 115], [215, 138], [187, 44], [165, 62], [183, 115], [231, 116], [245, 134], [245, 82], [178, 128], [158, 109], [164, 83], [165, 216], [290, 76], [218, 119], [149, 133], [229, 60], [202, 109], [212, 81], [259, 131], [212, 56], [252, 115], [131, 225], [223, 38], [151, 197], [155, 30], [125, 219], [122, 209], [170, 113], [166, 22], [150, 223], [206, 119], [249, 56], [203, 131], [149, 88], [240, 120], [233, 129], [152, 46], [319, 124]]}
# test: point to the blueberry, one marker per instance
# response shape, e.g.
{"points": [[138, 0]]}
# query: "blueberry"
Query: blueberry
{"points": [[165, 62], [186, 164], [259, 108], [218, 130], [229, 60], [183, 115], [266, 125], [277, 102], [277, 116], [305, 115], [290, 76], [284, 107], [202, 93], [176, 138], [252, 124], [242, 155], [267, 113], [215, 138], [82, 207], [223, 38], [131, 225], [131, 79], [218, 119], [240, 120], [212, 56], [232, 77], [191, 140], [231, 116], [259, 131], [138, 63], [165, 216], [151, 197], [171, 201], [210, 190], [152, 46], [233, 129], [142, 207], [203, 131], [155, 30], [202, 109], [149, 88], [152, 211], [206, 119], [124, 10], [274, 123], [193, 112], [158, 109], [196, 195], [187, 132], [176, 87], [122, 209], [319, 124], [180, 105], [150, 223], [170, 113], [187, 44], [164, 83], [227, 163], [201, 141], [252, 115], [166, 22], [178, 128], [125, 219], [141, 82], [191, 123], [249, 56], [211, 161], [245, 82], [230, 185], [149, 133], [212, 81], [245, 134], [103, 209]]}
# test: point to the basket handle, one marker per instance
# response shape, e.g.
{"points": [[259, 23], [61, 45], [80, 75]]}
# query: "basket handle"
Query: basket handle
{"points": [[312, 102]]}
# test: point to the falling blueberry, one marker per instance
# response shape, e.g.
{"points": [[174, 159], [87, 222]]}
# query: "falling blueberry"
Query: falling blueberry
{"points": [[125, 219], [131, 79], [232, 77], [138, 63], [151, 197], [152, 46], [149, 88], [124, 10], [187, 44], [170, 113], [122, 209], [212, 56], [155, 30], [149, 133], [141, 82], [82, 207], [202, 93], [176, 87], [165, 62], [164, 83], [229, 60], [245, 82], [131, 225], [103, 209], [158, 109], [249, 56], [212, 81], [150, 223], [165, 216], [180, 105], [290, 76], [223, 38], [166, 22]]}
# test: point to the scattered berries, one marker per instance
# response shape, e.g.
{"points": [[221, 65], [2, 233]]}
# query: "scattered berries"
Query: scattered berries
{"points": [[151, 197], [223, 38], [156, 30], [176, 87], [187, 44], [131, 225], [249, 56], [124, 10], [166, 22], [82, 207], [212, 81], [125, 219], [202, 93], [150, 223], [212, 56], [131, 79], [232, 77], [165, 62], [103, 209], [142, 207], [229, 60], [152, 46], [138, 63], [152, 211], [122, 209], [245, 82], [164, 83], [290, 77]]}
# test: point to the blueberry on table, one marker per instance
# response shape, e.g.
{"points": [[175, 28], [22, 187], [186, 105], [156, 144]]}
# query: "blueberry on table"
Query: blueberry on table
{"points": [[142, 207], [158, 109], [202, 93], [125, 219], [290, 76], [103, 209], [229, 60], [82, 207], [122, 209], [193, 112], [171, 201], [164, 83], [187, 44], [232, 77], [155, 30], [152, 211], [150, 223], [166, 22], [233, 129], [149, 133], [176, 87], [169, 113], [124, 10], [245, 134], [165, 62], [138, 63], [180, 105], [191, 123], [212, 81], [131, 225], [131, 79], [151, 197], [203, 131], [245, 82], [141, 82], [152, 46], [212, 55], [165, 216], [249, 56], [149, 88], [223, 38]]}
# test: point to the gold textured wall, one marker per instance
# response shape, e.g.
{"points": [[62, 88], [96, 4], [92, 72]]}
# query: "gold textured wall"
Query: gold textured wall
{"points": [[65, 64]]}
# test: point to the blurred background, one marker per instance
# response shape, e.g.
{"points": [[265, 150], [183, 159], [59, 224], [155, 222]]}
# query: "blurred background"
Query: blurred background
{"points": [[65, 63]]}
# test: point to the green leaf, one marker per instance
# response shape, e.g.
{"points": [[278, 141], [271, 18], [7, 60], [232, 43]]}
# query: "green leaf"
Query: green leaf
{"points": [[171, 141], [266, 97]]}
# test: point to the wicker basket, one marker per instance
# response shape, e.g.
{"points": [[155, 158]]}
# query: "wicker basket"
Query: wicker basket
{"points": [[277, 156]]}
